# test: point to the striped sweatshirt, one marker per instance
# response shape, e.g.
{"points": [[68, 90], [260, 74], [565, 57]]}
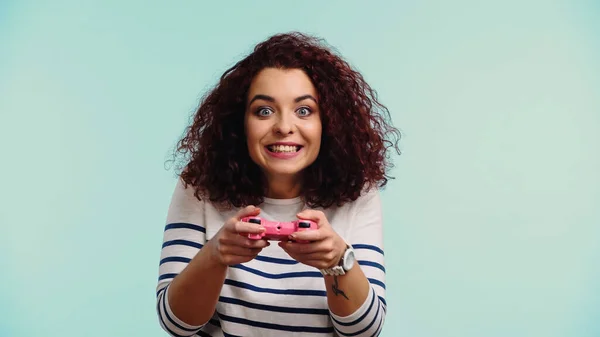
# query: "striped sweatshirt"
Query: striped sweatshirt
{"points": [[273, 295]]}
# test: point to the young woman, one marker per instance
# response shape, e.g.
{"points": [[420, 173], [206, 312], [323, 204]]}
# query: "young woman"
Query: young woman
{"points": [[290, 132]]}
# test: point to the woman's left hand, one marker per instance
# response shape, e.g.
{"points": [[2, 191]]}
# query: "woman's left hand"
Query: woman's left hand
{"points": [[324, 248]]}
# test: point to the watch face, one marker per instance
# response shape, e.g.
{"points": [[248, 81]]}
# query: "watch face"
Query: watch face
{"points": [[349, 259]]}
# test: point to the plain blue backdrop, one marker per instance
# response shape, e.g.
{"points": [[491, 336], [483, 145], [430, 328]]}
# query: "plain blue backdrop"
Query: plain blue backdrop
{"points": [[492, 224]]}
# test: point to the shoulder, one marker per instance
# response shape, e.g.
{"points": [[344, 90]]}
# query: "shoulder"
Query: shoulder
{"points": [[183, 199], [369, 200], [185, 205], [363, 210]]}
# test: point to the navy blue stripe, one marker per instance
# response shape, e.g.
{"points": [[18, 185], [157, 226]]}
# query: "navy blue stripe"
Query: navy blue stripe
{"points": [[182, 242], [365, 328], [279, 276], [175, 259], [215, 322], [377, 282], [371, 264], [299, 292], [275, 260], [370, 247], [265, 307], [166, 276], [160, 291], [229, 335], [362, 316], [164, 304], [203, 334], [178, 225], [378, 331], [382, 300], [273, 326], [171, 332]]}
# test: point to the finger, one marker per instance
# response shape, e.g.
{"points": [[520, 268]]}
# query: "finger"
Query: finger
{"points": [[310, 235], [306, 248], [244, 241], [317, 261], [319, 264], [249, 210], [240, 251], [329, 258], [244, 228], [314, 215], [290, 253]]}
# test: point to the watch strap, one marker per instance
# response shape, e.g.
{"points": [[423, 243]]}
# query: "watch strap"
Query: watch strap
{"points": [[338, 269], [334, 271]]}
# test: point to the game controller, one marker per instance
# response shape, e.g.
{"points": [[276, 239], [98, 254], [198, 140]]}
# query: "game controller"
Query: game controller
{"points": [[279, 231]]}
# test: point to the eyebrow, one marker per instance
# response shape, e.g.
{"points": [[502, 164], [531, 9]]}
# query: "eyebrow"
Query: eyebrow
{"points": [[271, 99]]}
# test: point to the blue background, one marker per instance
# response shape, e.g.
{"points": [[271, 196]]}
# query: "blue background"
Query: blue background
{"points": [[492, 225]]}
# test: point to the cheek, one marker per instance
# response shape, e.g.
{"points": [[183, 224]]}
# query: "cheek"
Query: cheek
{"points": [[252, 131], [256, 131], [314, 132]]}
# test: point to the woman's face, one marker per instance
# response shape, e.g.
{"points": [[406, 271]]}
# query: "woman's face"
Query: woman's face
{"points": [[282, 122]]}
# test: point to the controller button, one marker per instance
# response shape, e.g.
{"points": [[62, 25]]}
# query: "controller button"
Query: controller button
{"points": [[304, 224]]}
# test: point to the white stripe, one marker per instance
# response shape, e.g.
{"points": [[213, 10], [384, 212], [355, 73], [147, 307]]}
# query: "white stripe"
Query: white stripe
{"points": [[274, 317], [184, 233], [359, 326]]}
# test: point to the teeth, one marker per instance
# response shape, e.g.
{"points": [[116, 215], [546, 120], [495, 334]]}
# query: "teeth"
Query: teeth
{"points": [[283, 148]]}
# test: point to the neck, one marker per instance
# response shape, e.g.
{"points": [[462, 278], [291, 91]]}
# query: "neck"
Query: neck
{"points": [[283, 187]]}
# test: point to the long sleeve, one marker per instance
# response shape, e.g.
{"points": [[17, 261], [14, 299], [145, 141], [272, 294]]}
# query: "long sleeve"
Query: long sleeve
{"points": [[184, 235], [366, 237]]}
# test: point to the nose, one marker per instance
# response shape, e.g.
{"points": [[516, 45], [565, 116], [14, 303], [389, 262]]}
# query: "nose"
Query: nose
{"points": [[283, 125]]}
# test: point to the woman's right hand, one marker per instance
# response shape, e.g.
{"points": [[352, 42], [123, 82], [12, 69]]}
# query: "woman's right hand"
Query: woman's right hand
{"points": [[231, 244]]}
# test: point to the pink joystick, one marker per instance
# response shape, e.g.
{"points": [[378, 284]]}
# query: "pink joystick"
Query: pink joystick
{"points": [[279, 231]]}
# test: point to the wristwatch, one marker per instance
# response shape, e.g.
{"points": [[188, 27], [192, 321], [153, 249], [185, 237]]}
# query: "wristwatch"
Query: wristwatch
{"points": [[346, 263]]}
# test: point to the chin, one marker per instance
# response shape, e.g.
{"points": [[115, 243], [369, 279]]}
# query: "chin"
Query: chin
{"points": [[289, 171]]}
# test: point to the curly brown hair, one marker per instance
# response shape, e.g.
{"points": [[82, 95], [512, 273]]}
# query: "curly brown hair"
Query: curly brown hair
{"points": [[356, 129]]}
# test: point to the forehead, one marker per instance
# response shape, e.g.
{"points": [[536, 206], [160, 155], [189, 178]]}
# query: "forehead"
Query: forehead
{"points": [[282, 83]]}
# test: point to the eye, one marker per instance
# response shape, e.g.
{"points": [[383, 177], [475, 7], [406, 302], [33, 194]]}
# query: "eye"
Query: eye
{"points": [[304, 111], [264, 112]]}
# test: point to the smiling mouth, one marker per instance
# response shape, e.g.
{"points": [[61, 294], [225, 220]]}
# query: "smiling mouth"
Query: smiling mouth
{"points": [[284, 148]]}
